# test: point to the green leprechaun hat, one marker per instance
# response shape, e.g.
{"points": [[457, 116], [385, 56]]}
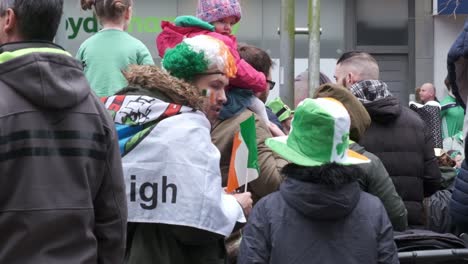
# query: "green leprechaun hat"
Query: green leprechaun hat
{"points": [[319, 135]]}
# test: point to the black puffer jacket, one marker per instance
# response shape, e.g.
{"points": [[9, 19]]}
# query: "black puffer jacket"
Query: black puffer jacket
{"points": [[397, 136], [456, 66]]}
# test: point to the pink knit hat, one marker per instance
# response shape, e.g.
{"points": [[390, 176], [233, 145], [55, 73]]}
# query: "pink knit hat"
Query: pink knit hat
{"points": [[214, 10]]}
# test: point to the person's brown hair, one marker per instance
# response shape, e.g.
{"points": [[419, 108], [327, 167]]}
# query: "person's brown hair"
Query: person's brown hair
{"points": [[107, 9], [256, 57], [363, 64], [447, 84]]}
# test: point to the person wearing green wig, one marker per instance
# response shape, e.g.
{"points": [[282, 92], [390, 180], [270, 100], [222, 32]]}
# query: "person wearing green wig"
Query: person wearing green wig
{"points": [[164, 119]]}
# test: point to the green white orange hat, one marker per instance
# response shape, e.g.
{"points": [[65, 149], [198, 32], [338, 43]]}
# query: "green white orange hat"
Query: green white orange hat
{"points": [[319, 135]]}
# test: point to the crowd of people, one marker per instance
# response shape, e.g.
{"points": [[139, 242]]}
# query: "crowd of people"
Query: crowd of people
{"points": [[108, 158]]}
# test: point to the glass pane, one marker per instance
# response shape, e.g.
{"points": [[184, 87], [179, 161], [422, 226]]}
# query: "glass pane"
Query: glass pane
{"points": [[382, 22], [78, 25], [332, 21], [258, 26]]}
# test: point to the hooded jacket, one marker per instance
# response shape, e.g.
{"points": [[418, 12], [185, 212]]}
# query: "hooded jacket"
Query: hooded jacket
{"points": [[62, 197], [311, 223], [246, 76], [456, 66], [375, 179], [459, 199], [398, 137]]}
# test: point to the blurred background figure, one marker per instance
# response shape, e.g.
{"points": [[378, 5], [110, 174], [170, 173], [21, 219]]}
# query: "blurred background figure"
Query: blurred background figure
{"points": [[452, 113], [427, 92], [301, 85], [103, 60], [283, 112]]}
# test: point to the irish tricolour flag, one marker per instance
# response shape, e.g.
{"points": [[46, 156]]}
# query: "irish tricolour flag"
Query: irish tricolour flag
{"points": [[244, 159]]}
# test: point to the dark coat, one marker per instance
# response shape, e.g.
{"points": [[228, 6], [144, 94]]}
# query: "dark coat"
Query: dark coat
{"points": [[306, 222], [456, 63], [376, 181], [459, 201], [398, 137]]}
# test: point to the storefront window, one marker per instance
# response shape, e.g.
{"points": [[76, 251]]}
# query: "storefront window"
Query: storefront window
{"points": [[332, 21], [259, 24], [382, 26]]}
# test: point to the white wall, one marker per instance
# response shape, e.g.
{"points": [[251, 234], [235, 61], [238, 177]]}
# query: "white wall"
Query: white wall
{"points": [[446, 30]]}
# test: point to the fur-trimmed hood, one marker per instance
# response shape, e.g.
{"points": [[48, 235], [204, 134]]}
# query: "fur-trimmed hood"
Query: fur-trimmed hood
{"points": [[160, 84]]}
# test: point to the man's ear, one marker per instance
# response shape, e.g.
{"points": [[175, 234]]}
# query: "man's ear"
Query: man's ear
{"points": [[10, 21], [350, 78]]}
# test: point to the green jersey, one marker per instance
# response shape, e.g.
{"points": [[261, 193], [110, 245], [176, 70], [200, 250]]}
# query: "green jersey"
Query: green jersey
{"points": [[452, 117], [106, 54]]}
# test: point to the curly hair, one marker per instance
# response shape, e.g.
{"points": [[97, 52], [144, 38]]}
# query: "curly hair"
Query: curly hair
{"points": [[182, 62]]}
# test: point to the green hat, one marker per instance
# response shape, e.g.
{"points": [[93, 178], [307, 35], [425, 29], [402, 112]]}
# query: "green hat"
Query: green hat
{"points": [[319, 135], [280, 109]]}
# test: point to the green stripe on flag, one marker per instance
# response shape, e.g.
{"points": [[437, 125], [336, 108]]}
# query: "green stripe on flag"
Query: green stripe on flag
{"points": [[249, 135]]}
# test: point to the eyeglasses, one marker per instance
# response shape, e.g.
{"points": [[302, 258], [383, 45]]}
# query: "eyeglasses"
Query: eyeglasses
{"points": [[272, 84]]}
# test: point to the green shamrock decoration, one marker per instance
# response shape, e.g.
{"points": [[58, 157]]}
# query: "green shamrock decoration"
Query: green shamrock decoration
{"points": [[340, 148]]}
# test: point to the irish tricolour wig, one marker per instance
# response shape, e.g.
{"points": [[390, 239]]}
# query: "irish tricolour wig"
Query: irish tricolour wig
{"points": [[199, 55]]}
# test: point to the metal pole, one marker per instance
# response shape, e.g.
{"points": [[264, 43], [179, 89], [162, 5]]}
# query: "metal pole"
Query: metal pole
{"points": [[287, 51], [433, 255], [300, 31], [314, 45]]}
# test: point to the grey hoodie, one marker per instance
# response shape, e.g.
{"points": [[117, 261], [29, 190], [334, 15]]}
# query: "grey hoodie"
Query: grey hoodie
{"points": [[62, 197]]}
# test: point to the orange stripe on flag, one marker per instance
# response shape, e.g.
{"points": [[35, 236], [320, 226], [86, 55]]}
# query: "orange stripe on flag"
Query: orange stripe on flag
{"points": [[233, 183], [356, 155]]}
